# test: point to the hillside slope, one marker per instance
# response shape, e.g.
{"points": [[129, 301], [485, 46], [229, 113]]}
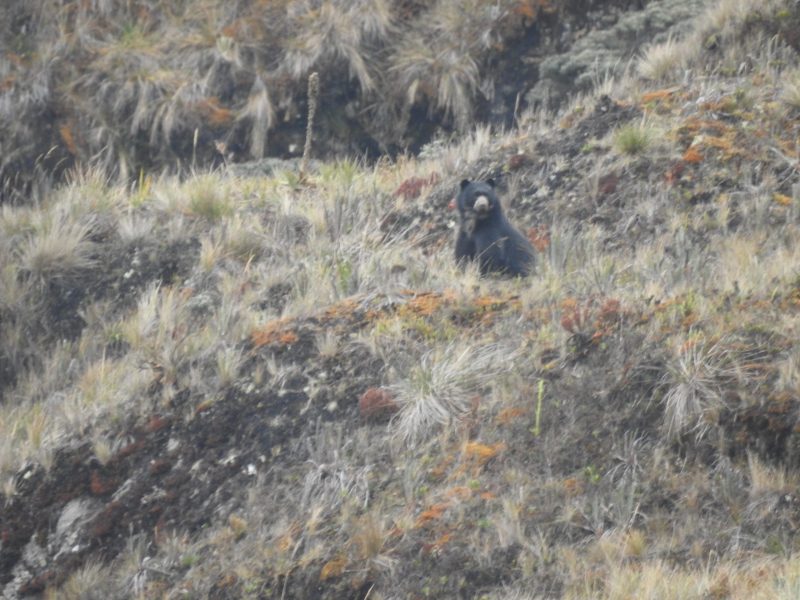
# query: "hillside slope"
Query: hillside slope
{"points": [[282, 387], [170, 86]]}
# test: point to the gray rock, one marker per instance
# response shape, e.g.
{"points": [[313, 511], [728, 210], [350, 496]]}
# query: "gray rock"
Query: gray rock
{"points": [[74, 516]]}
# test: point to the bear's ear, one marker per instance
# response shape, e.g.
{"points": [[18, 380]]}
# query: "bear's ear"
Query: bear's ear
{"points": [[490, 181], [465, 183]]}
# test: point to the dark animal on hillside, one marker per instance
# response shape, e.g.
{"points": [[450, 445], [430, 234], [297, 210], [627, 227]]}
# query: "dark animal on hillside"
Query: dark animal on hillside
{"points": [[485, 235]]}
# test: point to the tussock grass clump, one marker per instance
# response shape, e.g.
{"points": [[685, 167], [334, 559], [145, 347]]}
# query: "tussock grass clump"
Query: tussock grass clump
{"points": [[337, 31], [661, 60], [790, 93], [59, 249], [633, 139], [90, 582], [208, 202], [694, 389], [438, 390]]}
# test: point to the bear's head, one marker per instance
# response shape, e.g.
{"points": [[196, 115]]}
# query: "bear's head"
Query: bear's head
{"points": [[476, 202]]}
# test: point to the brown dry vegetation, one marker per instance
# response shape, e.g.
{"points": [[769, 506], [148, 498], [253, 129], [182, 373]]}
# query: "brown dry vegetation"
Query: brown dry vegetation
{"points": [[151, 84], [182, 364]]}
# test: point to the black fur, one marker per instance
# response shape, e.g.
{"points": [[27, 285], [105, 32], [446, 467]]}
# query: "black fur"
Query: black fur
{"points": [[485, 235]]}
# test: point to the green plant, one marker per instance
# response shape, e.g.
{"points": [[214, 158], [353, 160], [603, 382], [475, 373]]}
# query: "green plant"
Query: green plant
{"points": [[209, 203], [633, 139], [539, 396]]}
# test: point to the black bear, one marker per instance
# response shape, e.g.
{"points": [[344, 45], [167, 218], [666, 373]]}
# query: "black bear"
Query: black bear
{"points": [[485, 235]]}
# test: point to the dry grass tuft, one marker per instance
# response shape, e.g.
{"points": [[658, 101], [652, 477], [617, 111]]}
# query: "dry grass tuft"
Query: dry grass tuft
{"points": [[693, 382], [662, 60], [59, 249], [438, 390], [790, 94]]}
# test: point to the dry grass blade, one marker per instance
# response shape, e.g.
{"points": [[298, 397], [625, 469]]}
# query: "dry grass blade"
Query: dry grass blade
{"points": [[260, 112]]}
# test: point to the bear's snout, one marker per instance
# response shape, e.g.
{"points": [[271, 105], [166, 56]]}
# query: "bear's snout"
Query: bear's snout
{"points": [[482, 204]]}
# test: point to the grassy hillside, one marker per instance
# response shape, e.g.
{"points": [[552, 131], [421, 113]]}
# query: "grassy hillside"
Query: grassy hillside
{"points": [[282, 387], [168, 86], [157, 85]]}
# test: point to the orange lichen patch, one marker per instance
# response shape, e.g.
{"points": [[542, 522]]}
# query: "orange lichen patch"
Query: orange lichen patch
{"points": [[215, 114], [727, 144], [490, 303], [243, 29], [688, 345], [287, 541], [509, 415], [345, 308], [273, 332], [789, 147], [675, 172], [433, 513], [65, 130], [440, 470], [412, 187], [658, 95], [694, 125], [7, 83], [782, 199], [437, 545], [573, 317], [333, 568], [530, 9], [461, 492], [573, 486], [287, 337], [480, 454], [539, 237], [425, 304], [692, 155]]}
